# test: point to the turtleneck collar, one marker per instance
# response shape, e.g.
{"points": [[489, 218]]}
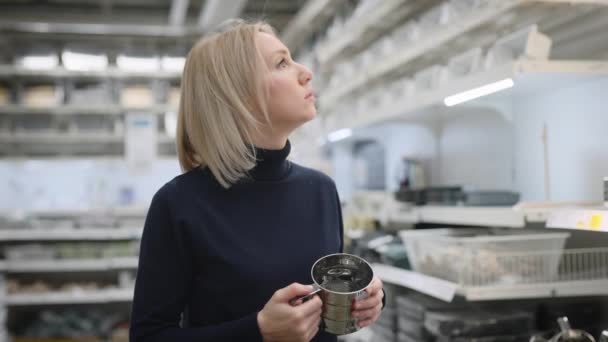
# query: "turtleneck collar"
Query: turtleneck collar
{"points": [[271, 164]]}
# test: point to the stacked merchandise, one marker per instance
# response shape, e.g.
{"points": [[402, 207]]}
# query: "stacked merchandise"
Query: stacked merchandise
{"points": [[72, 250], [136, 96], [15, 286], [411, 311], [72, 325], [42, 95], [480, 326], [455, 195], [90, 94]]}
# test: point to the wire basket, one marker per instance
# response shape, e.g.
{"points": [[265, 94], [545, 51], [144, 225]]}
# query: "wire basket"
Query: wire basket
{"points": [[539, 267], [469, 259]]}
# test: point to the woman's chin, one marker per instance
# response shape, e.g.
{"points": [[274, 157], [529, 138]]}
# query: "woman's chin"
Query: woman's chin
{"points": [[311, 115]]}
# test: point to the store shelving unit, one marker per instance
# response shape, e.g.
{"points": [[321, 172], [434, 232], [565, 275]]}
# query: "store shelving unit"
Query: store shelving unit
{"points": [[11, 72], [356, 35], [477, 216], [518, 216], [591, 219], [70, 234], [83, 110], [383, 207], [313, 15], [71, 126], [83, 143], [71, 138], [73, 297], [527, 75], [115, 212], [444, 40], [77, 265], [447, 291], [111, 266]]}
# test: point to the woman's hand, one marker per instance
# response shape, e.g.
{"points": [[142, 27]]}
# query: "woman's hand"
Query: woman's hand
{"points": [[280, 320], [367, 311]]}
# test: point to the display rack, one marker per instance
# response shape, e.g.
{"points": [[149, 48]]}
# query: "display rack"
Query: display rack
{"points": [[123, 266], [527, 76], [360, 33], [73, 297], [90, 120], [70, 234], [383, 207], [10, 71], [78, 265], [119, 212], [592, 219], [307, 20], [443, 40], [83, 143], [108, 109]]}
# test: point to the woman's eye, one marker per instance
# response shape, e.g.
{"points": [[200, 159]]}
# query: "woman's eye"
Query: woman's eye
{"points": [[282, 63]]}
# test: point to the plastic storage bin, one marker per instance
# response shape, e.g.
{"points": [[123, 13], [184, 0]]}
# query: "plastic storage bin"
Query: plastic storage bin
{"points": [[470, 257]]}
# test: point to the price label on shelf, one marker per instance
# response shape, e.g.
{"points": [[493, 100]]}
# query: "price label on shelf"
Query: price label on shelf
{"points": [[595, 220]]}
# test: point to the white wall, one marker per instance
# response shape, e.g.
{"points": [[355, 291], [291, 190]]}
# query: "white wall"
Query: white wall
{"points": [[342, 160], [476, 150], [481, 149], [577, 125]]}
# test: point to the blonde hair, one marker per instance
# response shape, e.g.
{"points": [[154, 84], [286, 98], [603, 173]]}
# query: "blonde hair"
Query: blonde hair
{"points": [[223, 98]]}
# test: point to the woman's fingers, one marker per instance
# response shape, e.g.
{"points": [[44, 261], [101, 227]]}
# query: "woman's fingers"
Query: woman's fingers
{"points": [[364, 314], [364, 323], [311, 306], [370, 302], [369, 318], [368, 310], [375, 286]]}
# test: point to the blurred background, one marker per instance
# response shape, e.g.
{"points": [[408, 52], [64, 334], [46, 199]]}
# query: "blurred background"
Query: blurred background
{"points": [[467, 139]]}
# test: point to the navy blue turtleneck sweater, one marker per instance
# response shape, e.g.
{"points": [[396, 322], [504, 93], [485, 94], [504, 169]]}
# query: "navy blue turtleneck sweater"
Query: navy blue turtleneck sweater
{"points": [[212, 257]]}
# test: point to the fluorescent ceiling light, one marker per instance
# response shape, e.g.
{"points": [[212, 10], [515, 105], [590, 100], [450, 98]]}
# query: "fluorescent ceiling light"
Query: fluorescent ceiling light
{"points": [[170, 124], [84, 62], [339, 134], [39, 62], [478, 92], [137, 63], [173, 63]]}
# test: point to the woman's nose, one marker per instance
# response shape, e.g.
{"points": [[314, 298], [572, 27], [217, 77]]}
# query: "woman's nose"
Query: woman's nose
{"points": [[305, 75]]}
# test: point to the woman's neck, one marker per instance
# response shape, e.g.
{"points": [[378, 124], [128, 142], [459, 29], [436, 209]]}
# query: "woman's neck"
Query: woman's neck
{"points": [[269, 141]]}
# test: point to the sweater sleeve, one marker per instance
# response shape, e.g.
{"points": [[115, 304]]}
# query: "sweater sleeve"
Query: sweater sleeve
{"points": [[163, 284]]}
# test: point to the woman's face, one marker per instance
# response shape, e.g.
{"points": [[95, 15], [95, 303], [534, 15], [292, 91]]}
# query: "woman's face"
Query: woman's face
{"points": [[291, 101]]}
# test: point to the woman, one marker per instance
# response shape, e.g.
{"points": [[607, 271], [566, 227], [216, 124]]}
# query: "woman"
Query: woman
{"points": [[228, 245]]}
